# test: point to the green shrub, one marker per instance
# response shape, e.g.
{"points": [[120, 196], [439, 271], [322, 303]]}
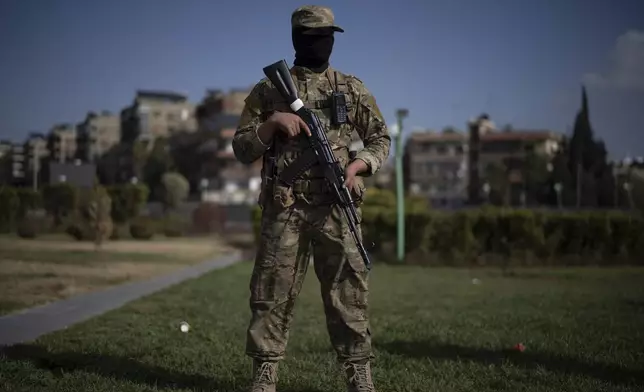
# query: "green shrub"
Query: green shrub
{"points": [[256, 216], [9, 204], [504, 235], [97, 211], [78, 230], [60, 201], [30, 200], [143, 228], [173, 226], [28, 228], [127, 201]]}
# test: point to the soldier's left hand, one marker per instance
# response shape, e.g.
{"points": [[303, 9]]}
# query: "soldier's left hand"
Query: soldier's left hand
{"points": [[350, 173]]}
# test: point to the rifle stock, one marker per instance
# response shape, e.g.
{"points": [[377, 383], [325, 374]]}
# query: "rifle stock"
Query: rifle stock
{"points": [[279, 75]]}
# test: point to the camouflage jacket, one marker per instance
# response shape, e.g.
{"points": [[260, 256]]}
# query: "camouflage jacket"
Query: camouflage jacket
{"points": [[315, 90]]}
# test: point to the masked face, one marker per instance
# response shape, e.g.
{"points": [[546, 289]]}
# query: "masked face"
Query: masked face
{"points": [[313, 48]]}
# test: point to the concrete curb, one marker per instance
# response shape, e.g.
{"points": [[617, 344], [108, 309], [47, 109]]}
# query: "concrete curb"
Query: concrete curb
{"points": [[30, 324]]}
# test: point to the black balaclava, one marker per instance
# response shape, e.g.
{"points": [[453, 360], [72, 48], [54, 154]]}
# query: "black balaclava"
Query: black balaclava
{"points": [[313, 50]]}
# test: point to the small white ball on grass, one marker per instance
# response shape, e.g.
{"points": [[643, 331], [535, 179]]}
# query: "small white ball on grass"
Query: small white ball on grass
{"points": [[184, 327]]}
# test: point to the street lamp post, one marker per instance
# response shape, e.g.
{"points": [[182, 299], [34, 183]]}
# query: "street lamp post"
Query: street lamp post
{"points": [[628, 188], [400, 197], [36, 166], [486, 190], [203, 186], [558, 188]]}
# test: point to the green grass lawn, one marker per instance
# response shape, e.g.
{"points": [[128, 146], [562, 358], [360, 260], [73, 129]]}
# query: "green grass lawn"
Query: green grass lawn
{"points": [[434, 330]]}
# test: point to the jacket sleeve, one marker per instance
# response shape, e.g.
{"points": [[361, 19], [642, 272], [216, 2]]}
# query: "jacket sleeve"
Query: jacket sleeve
{"points": [[371, 127], [247, 146]]}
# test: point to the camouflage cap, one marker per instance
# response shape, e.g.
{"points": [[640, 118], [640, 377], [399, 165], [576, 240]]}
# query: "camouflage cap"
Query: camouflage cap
{"points": [[313, 17]]}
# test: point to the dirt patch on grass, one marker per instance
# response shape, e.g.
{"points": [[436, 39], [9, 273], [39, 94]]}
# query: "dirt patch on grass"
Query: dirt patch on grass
{"points": [[181, 247], [25, 284], [34, 272]]}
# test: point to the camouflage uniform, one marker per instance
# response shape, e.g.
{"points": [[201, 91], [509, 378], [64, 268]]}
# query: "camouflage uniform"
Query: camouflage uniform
{"points": [[299, 220]]}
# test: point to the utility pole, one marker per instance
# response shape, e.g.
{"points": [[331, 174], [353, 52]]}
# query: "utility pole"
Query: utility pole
{"points": [[400, 196]]}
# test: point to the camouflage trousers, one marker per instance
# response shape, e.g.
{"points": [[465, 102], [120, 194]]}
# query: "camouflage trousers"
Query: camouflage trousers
{"points": [[288, 238]]}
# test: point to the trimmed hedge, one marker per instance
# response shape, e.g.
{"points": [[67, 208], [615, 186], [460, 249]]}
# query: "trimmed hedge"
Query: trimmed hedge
{"points": [[127, 201], [64, 202], [9, 207], [496, 235], [143, 228]]}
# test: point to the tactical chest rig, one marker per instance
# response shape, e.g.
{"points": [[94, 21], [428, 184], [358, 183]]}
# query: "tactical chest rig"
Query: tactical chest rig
{"points": [[290, 168]]}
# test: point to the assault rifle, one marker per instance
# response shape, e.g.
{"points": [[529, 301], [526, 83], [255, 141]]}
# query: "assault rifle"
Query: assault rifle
{"points": [[279, 74]]}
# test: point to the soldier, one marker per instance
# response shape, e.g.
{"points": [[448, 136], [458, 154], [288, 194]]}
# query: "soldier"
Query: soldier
{"points": [[300, 219]]}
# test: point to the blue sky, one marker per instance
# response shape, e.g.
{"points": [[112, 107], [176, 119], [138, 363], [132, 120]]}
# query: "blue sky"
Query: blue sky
{"points": [[521, 61]]}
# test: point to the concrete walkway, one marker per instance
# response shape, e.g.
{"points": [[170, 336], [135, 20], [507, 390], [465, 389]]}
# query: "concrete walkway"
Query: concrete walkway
{"points": [[32, 323]]}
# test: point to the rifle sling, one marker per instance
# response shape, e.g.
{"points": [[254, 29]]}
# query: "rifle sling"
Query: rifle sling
{"points": [[304, 162]]}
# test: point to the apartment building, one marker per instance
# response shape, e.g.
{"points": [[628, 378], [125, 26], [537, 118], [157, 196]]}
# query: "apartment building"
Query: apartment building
{"points": [[18, 160], [227, 179], [155, 114], [230, 180], [5, 148], [17, 165], [218, 109], [436, 167], [506, 153], [61, 143], [452, 168], [96, 135]]}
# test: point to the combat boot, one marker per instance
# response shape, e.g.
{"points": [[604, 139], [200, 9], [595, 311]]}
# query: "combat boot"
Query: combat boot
{"points": [[264, 376], [358, 377]]}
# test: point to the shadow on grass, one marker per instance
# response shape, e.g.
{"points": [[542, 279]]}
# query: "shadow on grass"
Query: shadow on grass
{"points": [[436, 350], [126, 369]]}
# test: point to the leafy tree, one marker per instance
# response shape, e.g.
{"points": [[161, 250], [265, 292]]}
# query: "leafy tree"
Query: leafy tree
{"points": [[60, 200], [98, 213], [536, 175], [562, 175], [29, 200], [637, 192], [591, 175], [9, 204], [192, 154], [496, 175], [175, 190], [127, 201], [157, 162]]}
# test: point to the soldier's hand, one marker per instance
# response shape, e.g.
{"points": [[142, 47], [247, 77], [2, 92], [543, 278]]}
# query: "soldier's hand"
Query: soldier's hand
{"points": [[289, 123], [353, 169]]}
